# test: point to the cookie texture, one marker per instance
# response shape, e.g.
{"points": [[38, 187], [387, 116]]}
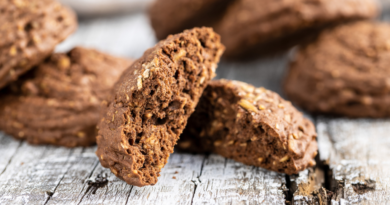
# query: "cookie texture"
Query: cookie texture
{"points": [[250, 27], [345, 72], [29, 32], [153, 100], [174, 16], [59, 101], [251, 125]]}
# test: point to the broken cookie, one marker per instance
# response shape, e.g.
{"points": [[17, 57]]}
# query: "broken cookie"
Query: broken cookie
{"points": [[251, 125], [152, 102]]}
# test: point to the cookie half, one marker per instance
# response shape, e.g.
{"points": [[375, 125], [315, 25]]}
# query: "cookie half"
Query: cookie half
{"points": [[344, 72], [153, 100], [251, 125], [29, 32], [253, 27], [174, 16], [59, 101]]}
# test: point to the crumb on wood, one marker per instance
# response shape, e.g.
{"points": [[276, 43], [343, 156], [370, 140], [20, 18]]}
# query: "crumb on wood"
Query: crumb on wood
{"points": [[173, 177]]}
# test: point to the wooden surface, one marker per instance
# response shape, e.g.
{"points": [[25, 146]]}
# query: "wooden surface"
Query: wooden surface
{"points": [[353, 164]]}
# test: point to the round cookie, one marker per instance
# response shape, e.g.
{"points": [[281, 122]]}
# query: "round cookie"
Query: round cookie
{"points": [[152, 102], [29, 32], [344, 72], [251, 125], [253, 27], [59, 101], [174, 16]]}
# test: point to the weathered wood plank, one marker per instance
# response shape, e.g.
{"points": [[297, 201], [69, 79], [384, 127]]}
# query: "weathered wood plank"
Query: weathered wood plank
{"points": [[176, 185], [8, 148], [127, 35], [224, 181], [33, 174], [112, 190], [73, 182], [357, 151]]}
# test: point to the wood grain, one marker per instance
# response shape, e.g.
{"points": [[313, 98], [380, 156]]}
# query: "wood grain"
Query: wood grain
{"points": [[357, 151], [224, 181]]}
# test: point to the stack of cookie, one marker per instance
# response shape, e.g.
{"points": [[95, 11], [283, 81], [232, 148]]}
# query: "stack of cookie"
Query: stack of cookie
{"points": [[250, 28], [49, 98]]}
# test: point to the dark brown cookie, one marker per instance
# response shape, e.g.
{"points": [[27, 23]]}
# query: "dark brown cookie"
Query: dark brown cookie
{"points": [[153, 100], [345, 72], [174, 16], [252, 27], [29, 32], [58, 102], [251, 125]]}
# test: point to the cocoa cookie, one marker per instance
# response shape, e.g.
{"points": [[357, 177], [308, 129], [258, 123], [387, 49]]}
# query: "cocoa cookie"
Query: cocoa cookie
{"points": [[59, 101], [173, 16], [29, 32], [344, 72], [152, 102], [253, 27], [251, 125]]}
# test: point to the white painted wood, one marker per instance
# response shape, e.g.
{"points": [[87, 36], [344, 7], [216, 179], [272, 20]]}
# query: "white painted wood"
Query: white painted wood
{"points": [[73, 182], [33, 172], [224, 181], [115, 192], [8, 147], [356, 151], [176, 185]]}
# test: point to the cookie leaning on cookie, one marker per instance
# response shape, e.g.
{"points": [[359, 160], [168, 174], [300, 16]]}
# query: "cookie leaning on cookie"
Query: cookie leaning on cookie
{"points": [[252, 26], [152, 102], [251, 125], [29, 32], [344, 72], [59, 101]]}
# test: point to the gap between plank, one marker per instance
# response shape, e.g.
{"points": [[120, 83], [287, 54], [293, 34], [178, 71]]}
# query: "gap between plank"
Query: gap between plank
{"points": [[97, 163], [198, 177], [59, 182], [10, 160]]}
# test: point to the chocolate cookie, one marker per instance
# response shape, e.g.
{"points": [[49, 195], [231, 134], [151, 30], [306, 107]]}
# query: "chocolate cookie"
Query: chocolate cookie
{"points": [[59, 101], [251, 125], [345, 72], [252, 27], [29, 32], [173, 16], [153, 100]]}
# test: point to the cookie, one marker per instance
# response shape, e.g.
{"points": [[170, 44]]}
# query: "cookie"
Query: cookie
{"points": [[29, 32], [173, 16], [251, 125], [345, 72], [59, 101], [253, 27], [152, 102]]}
